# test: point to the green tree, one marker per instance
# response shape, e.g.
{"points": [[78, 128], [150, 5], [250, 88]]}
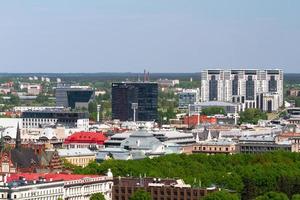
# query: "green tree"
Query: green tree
{"points": [[140, 195], [272, 196], [221, 195], [252, 115], [97, 196], [296, 197], [213, 110]]}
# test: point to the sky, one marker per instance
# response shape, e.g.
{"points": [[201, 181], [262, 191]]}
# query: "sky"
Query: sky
{"points": [[157, 35]]}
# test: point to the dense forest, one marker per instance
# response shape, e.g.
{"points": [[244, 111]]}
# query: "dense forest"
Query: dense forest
{"points": [[248, 175]]}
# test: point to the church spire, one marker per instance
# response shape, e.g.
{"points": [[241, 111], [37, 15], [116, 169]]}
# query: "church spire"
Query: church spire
{"points": [[18, 138], [1, 143]]}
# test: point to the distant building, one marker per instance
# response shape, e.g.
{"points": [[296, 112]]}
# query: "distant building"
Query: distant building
{"points": [[262, 89], [37, 119], [36, 108], [167, 82], [187, 97], [169, 189], [229, 108], [293, 92], [215, 146], [143, 93], [91, 140], [80, 156], [261, 144], [293, 115], [74, 96]]}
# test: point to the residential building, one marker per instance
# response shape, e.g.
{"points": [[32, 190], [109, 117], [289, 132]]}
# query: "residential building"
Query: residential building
{"points": [[187, 97], [124, 94], [169, 189], [40, 186], [74, 96], [250, 88]]}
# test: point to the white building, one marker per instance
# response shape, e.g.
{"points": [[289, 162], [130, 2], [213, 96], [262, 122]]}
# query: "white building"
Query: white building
{"points": [[54, 186], [188, 96], [261, 89]]}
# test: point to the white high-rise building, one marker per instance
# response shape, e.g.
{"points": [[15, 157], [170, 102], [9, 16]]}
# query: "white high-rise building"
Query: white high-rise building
{"points": [[251, 88]]}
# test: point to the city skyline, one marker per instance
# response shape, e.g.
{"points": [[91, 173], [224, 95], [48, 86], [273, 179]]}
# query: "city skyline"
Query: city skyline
{"points": [[169, 36]]}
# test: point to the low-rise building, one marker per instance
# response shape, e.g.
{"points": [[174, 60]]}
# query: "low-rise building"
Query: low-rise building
{"points": [[91, 140], [169, 189], [261, 144], [80, 157], [187, 97], [215, 146], [70, 119]]}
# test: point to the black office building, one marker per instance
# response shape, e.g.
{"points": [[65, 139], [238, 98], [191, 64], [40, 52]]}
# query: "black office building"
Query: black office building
{"points": [[74, 96], [143, 93]]}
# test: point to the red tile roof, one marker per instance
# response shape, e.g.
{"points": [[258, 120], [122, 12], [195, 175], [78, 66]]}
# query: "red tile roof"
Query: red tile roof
{"points": [[86, 137], [53, 176]]}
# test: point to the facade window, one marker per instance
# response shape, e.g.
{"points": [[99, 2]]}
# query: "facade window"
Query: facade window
{"points": [[213, 89], [250, 88]]}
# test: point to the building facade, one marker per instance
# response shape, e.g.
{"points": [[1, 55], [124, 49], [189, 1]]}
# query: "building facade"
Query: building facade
{"points": [[145, 94], [38, 119], [74, 96], [54, 186], [167, 189], [187, 97], [261, 89]]}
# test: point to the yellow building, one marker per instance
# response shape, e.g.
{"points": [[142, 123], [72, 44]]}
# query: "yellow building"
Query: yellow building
{"points": [[80, 157]]}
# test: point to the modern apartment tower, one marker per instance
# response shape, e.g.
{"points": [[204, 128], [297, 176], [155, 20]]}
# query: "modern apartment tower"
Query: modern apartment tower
{"points": [[124, 94], [255, 88]]}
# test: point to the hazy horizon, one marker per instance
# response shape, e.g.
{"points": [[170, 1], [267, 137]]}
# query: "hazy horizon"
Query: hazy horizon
{"points": [[160, 36]]}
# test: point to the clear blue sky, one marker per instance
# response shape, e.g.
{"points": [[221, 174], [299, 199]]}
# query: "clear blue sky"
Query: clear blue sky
{"points": [[158, 35]]}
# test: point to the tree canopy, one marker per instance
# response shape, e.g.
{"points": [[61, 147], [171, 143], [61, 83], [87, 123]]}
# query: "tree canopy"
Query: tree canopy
{"points": [[252, 115], [250, 175], [140, 195], [221, 195], [273, 196], [97, 196], [214, 110]]}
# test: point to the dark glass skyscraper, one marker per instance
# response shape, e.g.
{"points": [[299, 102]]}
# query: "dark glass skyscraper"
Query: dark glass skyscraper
{"points": [[143, 93], [74, 97]]}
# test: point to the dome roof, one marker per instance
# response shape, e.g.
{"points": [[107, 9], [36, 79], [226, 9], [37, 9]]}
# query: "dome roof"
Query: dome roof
{"points": [[86, 137]]}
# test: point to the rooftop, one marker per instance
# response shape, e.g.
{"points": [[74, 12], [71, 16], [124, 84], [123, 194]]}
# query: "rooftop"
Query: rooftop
{"points": [[86, 137]]}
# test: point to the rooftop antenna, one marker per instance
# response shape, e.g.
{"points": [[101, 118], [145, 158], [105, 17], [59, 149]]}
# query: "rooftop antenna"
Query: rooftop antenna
{"points": [[148, 76]]}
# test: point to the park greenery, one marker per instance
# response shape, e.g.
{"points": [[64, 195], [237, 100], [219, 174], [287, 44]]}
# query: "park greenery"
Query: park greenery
{"points": [[252, 116], [249, 175], [221, 195]]}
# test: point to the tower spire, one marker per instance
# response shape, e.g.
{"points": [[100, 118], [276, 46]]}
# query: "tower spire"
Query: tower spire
{"points": [[1, 143], [18, 137]]}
